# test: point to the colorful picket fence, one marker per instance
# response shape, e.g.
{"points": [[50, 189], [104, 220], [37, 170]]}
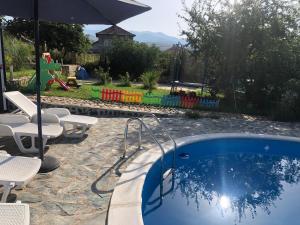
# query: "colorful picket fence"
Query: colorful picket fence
{"points": [[171, 101], [117, 95], [189, 102], [111, 95], [131, 97], [150, 99], [95, 92]]}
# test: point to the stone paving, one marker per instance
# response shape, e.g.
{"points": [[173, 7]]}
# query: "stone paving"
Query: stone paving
{"points": [[79, 191]]}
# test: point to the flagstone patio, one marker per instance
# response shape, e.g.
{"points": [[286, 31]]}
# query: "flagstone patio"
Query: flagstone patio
{"points": [[79, 191]]}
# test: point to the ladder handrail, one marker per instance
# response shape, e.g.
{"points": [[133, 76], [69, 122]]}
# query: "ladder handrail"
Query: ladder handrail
{"points": [[147, 129], [151, 115], [156, 141]]}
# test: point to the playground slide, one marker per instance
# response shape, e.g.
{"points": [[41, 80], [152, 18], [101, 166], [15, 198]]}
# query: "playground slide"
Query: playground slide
{"points": [[45, 75], [62, 84]]}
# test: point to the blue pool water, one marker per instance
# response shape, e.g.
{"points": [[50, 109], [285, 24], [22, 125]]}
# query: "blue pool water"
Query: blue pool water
{"points": [[228, 181]]}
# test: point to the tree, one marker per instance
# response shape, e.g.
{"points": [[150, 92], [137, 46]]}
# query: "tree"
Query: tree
{"points": [[202, 20], [132, 57], [250, 47], [59, 36]]}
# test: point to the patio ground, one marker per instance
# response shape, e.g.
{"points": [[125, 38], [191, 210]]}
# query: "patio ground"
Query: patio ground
{"points": [[80, 190]]}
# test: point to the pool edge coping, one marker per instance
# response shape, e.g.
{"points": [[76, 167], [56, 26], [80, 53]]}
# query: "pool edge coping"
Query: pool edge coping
{"points": [[126, 202]]}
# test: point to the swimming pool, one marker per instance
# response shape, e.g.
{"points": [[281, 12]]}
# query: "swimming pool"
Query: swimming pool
{"points": [[223, 179]]}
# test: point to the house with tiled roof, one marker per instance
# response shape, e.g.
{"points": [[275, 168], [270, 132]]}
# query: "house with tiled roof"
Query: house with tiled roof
{"points": [[106, 37]]}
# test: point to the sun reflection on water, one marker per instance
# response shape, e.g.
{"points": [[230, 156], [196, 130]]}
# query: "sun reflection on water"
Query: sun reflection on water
{"points": [[225, 202]]}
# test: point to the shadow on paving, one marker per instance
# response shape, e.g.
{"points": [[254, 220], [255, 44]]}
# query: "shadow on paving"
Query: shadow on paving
{"points": [[116, 169]]}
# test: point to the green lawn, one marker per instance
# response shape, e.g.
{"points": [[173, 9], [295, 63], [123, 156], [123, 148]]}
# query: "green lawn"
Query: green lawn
{"points": [[23, 73], [85, 91]]}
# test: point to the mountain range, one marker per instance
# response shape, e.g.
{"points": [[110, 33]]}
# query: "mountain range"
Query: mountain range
{"points": [[161, 40]]}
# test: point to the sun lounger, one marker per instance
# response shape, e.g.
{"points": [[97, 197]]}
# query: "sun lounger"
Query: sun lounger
{"points": [[14, 214], [19, 126], [16, 171], [79, 123]]}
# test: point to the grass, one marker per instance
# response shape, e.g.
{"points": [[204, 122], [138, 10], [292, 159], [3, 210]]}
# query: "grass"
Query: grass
{"points": [[23, 73], [85, 91], [27, 73]]}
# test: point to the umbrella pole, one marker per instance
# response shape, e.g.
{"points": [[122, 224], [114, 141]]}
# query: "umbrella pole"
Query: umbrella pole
{"points": [[38, 77], [48, 163], [3, 106]]}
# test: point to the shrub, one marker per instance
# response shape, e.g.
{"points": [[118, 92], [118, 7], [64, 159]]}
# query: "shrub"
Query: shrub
{"points": [[125, 80], [150, 80], [133, 57], [102, 76], [18, 53], [91, 67], [288, 109]]}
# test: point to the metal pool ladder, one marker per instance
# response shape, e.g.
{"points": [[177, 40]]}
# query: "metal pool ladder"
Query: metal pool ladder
{"points": [[163, 152]]}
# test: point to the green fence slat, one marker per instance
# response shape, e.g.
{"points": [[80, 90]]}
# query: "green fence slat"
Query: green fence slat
{"points": [[95, 92]]}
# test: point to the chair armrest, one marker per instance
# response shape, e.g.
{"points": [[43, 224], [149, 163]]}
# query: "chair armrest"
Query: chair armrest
{"points": [[13, 119], [6, 131], [46, 118], [60, 112]]}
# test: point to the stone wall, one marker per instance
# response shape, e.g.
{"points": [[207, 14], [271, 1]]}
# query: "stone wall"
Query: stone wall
{"points": [[98, 112]]}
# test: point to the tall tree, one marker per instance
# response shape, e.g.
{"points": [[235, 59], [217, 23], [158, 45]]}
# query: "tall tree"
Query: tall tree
{"points": [[249, 46], [59, 36], [132, 57]]}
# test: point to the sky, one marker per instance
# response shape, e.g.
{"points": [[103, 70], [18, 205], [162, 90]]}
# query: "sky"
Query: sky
{"points": [[162, 18]]}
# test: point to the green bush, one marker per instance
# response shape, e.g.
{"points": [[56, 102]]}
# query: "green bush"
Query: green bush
{"points": [[150, 80], [17, 53], [288, 109], [125, 80], [132, 57], [102, 76], [91, 67]]}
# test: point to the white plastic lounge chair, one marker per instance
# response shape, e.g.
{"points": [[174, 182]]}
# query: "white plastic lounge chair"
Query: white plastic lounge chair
{"points": [[14, 214], [16, 171], [79, 123], [19, 126]]}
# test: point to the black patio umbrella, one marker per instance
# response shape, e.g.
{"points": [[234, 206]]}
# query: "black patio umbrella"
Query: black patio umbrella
{"points": [[108, 12]]}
